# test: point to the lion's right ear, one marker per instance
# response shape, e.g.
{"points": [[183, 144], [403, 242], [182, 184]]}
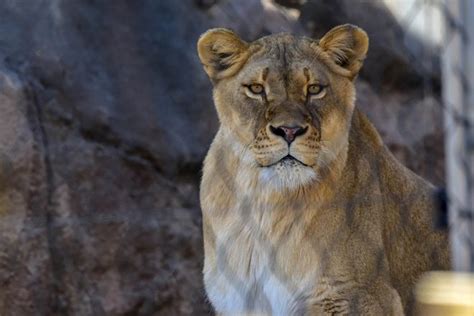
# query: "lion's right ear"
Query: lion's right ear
{"points": [[222, 53]]}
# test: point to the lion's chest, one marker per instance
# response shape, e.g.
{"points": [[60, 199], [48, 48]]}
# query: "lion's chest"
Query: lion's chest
{"points": [[257, 273]]}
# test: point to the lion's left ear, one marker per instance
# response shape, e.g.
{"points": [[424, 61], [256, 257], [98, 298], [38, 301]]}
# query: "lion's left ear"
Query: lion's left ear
{"points": [[346, 46], [222, 53]]}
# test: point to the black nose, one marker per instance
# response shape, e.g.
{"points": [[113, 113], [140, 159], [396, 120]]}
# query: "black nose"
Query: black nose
{"points": [[288, 133]]}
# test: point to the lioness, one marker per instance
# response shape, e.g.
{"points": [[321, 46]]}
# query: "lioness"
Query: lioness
{"points": [[305, 211]]}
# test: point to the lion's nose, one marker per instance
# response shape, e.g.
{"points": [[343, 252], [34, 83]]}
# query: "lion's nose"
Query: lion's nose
{"points": [[288, 133]]}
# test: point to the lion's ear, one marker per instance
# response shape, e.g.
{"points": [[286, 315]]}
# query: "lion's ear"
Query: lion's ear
{"points": [[222, 53], [347, 46]]}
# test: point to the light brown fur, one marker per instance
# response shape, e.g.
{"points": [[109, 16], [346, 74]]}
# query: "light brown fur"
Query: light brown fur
{"points": [[345, 228]]}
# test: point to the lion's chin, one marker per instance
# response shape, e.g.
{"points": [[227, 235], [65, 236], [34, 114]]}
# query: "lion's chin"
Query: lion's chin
{"points": [[288, 160], [287, 173]]}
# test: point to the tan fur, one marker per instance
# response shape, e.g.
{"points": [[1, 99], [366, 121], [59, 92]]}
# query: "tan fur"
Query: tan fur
{"points": [[345, 228]]}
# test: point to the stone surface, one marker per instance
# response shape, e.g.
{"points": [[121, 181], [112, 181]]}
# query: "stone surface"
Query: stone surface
{"points": [[105, 117]]}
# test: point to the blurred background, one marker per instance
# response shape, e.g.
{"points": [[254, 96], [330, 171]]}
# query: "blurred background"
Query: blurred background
{"points": [[106, 116]]}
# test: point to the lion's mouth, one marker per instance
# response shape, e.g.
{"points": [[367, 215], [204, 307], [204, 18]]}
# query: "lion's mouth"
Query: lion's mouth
{"points": [[288, 160]]}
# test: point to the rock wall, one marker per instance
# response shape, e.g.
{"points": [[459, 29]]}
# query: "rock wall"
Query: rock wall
{"points": [[105, 117]]}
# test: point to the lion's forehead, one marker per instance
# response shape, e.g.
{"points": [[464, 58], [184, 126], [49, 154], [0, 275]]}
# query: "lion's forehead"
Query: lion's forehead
{"points": [[282, 50], [282, 46], [284, 56]]}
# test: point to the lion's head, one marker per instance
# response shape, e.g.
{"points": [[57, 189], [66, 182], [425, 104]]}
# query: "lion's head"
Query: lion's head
{"points": [[286, 100]]}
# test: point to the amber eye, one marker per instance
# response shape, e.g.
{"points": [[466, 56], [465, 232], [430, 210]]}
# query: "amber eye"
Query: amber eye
{"points": [[256, 88], [315, 89]]}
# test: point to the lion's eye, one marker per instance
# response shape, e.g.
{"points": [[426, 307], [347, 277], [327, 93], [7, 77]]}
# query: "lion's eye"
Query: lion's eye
{"points": [[256, 88], [315, 89]]}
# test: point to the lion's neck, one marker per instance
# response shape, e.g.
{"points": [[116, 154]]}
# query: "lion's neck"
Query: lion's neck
{"points": [[244, 192]]}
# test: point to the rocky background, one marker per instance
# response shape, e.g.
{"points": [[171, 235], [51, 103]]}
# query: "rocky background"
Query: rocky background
{"points": [[105, 117]]}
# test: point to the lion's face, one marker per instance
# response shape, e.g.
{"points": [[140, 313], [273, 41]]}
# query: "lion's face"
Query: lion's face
{"points": [[287, 101]]}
